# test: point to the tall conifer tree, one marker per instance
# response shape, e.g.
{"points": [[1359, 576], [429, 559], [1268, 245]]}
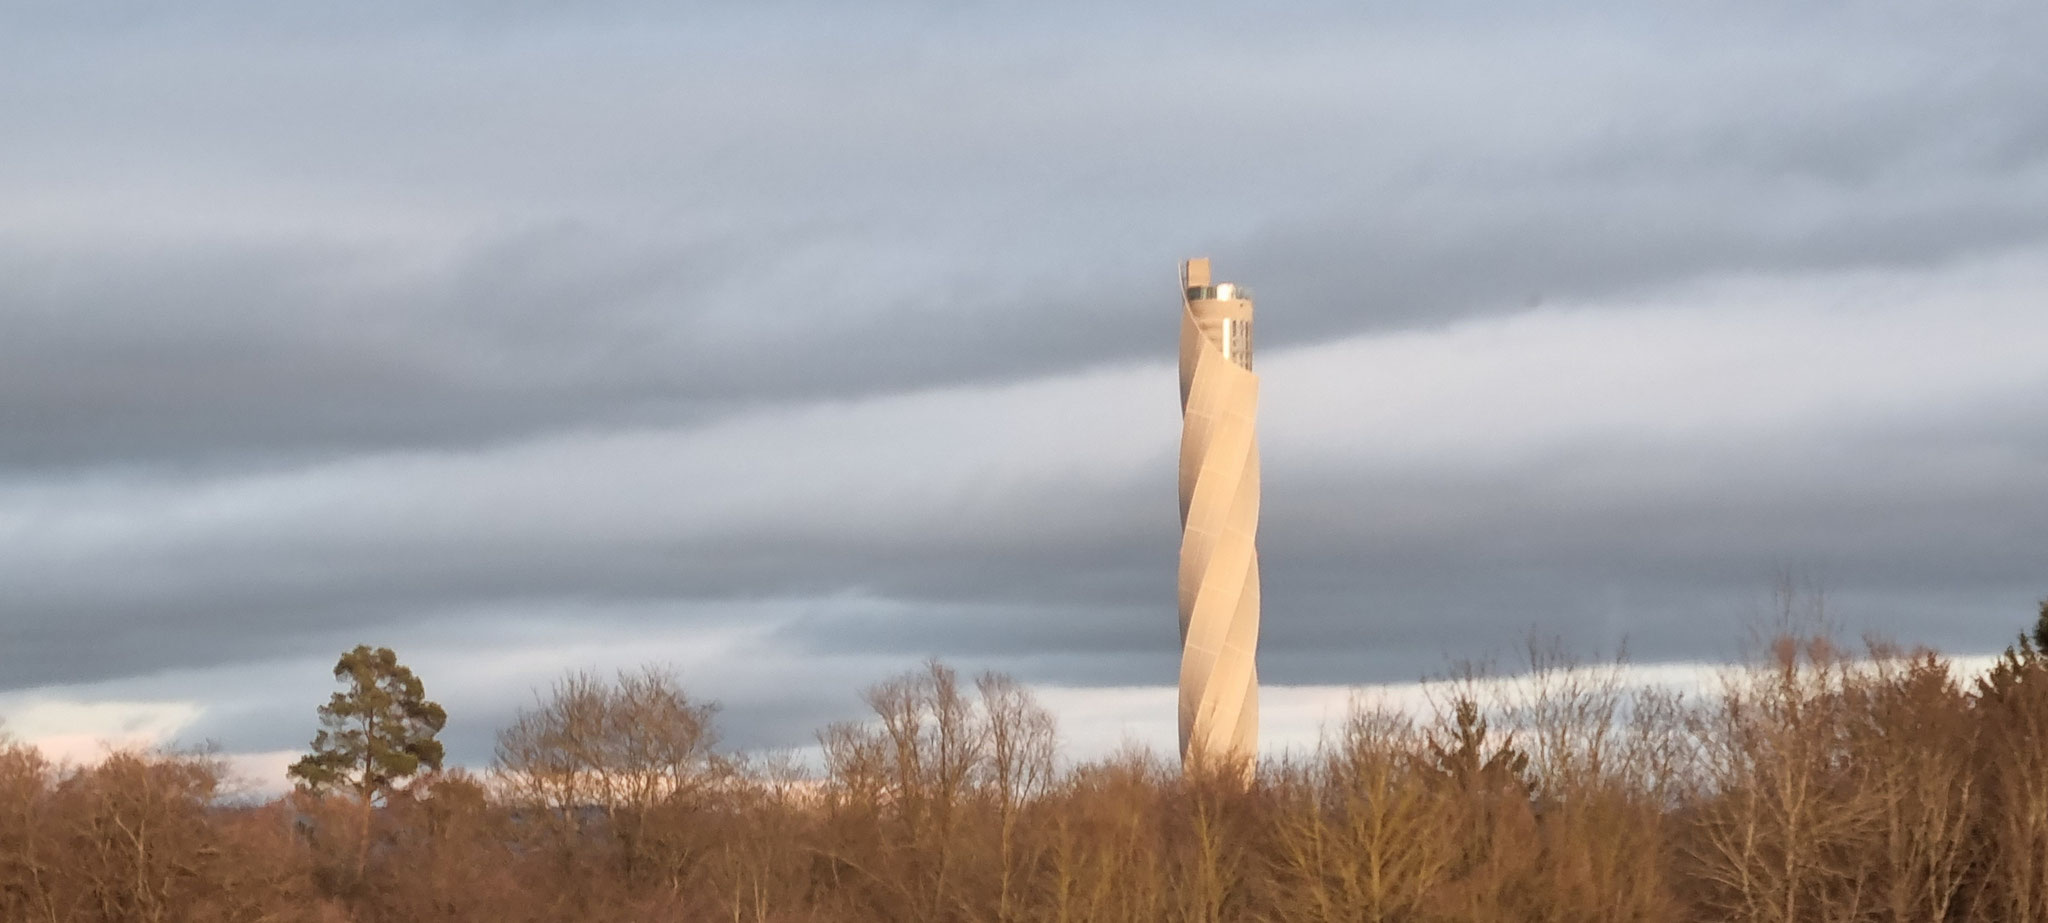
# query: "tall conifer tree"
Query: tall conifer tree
{"points": [[378, 731]]}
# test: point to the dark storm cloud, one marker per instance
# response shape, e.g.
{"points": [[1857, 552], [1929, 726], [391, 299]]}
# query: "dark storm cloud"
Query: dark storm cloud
{"points": [[1026, 523], [842, 327], [238, 251]]}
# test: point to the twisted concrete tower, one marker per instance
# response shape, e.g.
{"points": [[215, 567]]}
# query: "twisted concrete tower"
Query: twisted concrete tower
{"points": [[1219, 515]]}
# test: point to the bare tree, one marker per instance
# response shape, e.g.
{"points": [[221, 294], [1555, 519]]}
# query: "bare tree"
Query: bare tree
{"points": [[1105, 854], [1915, 738], [929, 798], [620, 752], [27, 852], [904, 781], [1021, 745], [140, 844], [1359, 832], [2011, 703], [1787, 822], [1599, 824]]}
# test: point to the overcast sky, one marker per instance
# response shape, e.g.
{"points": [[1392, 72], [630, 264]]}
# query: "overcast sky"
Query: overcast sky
{"points": [[789, 343]]}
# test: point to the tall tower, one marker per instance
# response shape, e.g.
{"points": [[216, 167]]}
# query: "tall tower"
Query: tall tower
{"points": [[1219, 516]]}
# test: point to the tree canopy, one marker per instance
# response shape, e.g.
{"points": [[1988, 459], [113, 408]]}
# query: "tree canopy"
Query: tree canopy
{"points": [[375, 733]]}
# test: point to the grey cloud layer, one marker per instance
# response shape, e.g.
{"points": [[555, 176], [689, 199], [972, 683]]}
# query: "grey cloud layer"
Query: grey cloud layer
{"points": [[223, 249], [846, 330], [1420, 483]]}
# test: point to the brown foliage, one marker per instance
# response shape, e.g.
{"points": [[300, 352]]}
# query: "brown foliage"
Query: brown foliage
{"points": [[1817, 784], [138, 837]]}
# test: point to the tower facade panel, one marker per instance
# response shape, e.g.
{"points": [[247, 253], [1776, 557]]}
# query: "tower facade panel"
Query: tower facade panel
{"points": [[1219, 505]]}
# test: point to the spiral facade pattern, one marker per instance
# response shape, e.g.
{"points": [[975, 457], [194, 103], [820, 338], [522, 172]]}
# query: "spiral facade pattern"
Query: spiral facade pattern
{"points": [[1219, 512]]}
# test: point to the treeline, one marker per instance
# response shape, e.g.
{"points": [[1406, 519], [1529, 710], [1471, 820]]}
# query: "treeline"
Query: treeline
{"points": [[1818, 784]]}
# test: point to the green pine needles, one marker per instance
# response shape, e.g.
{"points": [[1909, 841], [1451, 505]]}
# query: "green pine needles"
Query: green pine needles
{"points": [[376, 733]]}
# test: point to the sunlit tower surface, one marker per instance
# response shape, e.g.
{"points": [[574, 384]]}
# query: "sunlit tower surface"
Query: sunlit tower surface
{"points": [[1219, 514]]}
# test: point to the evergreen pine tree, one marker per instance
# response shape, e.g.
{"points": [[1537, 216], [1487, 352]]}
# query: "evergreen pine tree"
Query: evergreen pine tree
{"points": [[377, 732]]}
